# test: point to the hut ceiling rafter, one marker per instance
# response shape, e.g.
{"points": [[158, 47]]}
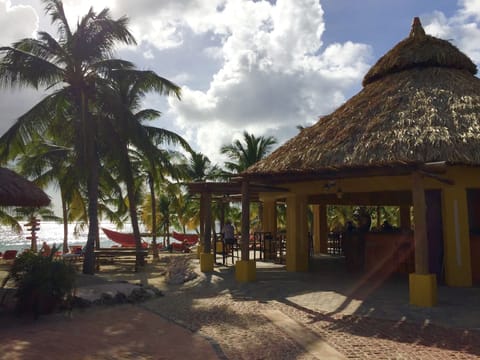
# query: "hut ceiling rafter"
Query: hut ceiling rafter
{"points": [[232, 190]]}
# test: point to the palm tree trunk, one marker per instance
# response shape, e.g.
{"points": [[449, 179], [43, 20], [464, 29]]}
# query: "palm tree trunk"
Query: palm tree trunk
{"points": [[154, 216], [65, 225], [92, 192], [133, 213], [91, 157]]}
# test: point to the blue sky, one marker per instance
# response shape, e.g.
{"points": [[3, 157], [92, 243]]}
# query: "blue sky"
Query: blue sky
{"points": [[260, 66]]}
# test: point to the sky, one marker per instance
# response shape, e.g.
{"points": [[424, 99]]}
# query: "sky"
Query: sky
{"points": [[264, 67]]}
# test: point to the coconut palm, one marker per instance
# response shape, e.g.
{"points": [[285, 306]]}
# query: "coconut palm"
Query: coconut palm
{"points": [[49, 163], [124, 129], [200, 168], [156, 172], [73, 67], [245, 153]]}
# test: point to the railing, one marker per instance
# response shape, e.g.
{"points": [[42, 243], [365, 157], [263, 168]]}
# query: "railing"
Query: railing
{"points": [[334, 244]]}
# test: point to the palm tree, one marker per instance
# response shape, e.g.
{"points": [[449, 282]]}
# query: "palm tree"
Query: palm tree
{"points": [[49, 163], [246, 153], [123, 128], [200, 168], [74, 67]]}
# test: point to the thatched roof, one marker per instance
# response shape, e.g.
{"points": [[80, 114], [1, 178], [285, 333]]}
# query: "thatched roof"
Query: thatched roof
{"points": [[15, 190], [420, 103]]}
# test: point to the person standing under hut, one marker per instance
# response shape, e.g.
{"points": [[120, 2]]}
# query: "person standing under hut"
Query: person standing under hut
{"points": [[228, 233]]}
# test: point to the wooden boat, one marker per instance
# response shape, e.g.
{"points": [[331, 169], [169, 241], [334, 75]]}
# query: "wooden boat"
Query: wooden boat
{"points": [[188, 239], [183, 241], [124, 239]]}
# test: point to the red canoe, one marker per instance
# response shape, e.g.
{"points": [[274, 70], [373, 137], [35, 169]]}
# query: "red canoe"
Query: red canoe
{"points": [[128, 240], [124, 239], [188, 239]]}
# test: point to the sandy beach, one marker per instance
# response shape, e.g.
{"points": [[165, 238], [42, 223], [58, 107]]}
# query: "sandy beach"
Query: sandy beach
{"points": [[282, 315]]}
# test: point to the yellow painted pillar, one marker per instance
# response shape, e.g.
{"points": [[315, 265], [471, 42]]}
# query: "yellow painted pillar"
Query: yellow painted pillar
{"points": [[422, 284], [456, 237], [269, 221], [297, 233], [245, 269]]}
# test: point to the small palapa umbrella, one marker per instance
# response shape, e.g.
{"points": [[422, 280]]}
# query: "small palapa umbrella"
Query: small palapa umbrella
{"points": [[15, 190]]}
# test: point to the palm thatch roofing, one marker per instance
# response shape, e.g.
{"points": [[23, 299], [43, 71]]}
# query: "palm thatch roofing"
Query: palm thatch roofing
{"points": [[420, 104], [15, 190]]}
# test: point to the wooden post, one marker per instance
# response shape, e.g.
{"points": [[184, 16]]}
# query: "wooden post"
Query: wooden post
{"points": [[206, 257], [405, 222], [420, 233], [320, 229], [208, 223], [202, 219], [245, 220], [323, 229], [245, 268], [422, 285]]}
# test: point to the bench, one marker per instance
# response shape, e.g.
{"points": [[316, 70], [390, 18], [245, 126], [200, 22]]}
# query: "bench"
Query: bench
{"points": [[112, 253]]}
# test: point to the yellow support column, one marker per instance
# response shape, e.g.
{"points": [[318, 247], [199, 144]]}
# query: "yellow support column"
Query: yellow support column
{"points": [[206, 262], [245, 269], [297, 233], [269, 220], [456, 237]]}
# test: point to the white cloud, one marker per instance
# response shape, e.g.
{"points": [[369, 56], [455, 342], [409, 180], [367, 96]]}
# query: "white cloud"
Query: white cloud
{"points": [[275, 74], [462, 29], [18, 22]]}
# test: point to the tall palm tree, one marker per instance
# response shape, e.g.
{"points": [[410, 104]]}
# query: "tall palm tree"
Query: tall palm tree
{"points": [[74, 66], [200, 168], [247, 152], [124, 128], [49, 163], [155, 172]]}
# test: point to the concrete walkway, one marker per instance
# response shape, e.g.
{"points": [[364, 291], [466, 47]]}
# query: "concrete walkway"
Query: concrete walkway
{"points": [[118, 332], [324, 314]]}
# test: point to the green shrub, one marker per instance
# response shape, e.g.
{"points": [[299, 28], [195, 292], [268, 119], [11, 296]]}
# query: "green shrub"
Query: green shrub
{"points": [[42, 282]]}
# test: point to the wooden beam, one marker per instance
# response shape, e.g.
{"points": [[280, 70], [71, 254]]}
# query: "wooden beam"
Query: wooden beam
{"points": [[393, 198], [437, 177], [202, 219], [208, 222]]}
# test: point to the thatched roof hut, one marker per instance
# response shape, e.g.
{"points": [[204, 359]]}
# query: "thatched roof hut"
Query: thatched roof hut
{"points": [[15, 190], [420, 104]]}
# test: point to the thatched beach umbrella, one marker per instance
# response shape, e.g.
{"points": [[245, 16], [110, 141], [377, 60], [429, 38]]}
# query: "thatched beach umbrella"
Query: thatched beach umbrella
{"points": [[15, 190], [420, 104]]}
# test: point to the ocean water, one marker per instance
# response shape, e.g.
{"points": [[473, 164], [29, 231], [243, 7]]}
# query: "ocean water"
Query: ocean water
{"points": [[52, 234]]}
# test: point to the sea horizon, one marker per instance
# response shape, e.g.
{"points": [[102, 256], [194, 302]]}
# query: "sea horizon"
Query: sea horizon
{"points": [[52, 233]]}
